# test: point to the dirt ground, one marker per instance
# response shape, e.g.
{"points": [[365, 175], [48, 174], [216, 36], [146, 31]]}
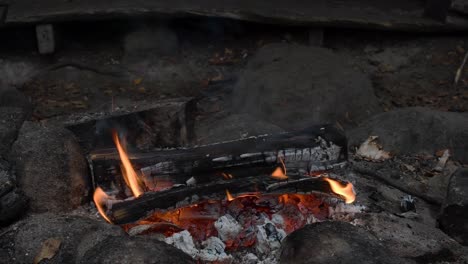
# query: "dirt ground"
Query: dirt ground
{"points": [[94, 70]]}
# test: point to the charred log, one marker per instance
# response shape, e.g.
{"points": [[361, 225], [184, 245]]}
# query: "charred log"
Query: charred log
{"points": [[314, 149], [134, 209]]}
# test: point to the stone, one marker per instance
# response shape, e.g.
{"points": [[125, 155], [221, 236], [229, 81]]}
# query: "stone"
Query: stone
{"points": [[231, 127], [334, 242], [11, 119], [6, 182], [50, 168], [12, 206], [134, 250], [77, 235], [455, 208], [416, 130], [295, 86], [13, 202], [412, 240], [11, 97]]}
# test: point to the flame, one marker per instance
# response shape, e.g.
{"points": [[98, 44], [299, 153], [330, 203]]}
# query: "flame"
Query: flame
{"points": [[280, 173], [130, 175], [227, 176], [100, 200], [229, 196], [346, 191]]}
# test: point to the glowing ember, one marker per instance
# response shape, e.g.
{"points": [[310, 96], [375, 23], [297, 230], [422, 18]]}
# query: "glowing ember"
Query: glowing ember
{"points": [[130, 175], [288, 212], [280, 173], [346, 191], [100, 199], [229, 196]]}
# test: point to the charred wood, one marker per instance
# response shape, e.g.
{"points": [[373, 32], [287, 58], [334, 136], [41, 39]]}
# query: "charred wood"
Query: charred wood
{"points": [[134, 209], [315, 149]]}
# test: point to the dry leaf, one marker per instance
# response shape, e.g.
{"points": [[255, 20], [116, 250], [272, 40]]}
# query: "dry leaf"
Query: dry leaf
{"points": [[371, 150], [442, 161], [137, 81], [48, 250]]}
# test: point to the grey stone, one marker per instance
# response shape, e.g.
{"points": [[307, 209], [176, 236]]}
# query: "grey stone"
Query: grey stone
{"points": [[11, 119], [232, 127], [410, 239], [334, 242], [6, 182], [77, 235], [11, 97], [50, 168], [134, 250], [12, 206], [416, 130], [454, 217], [295, 86]]}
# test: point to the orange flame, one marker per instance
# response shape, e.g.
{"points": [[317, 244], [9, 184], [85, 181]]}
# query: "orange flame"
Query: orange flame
{"points": [[100, 200], [227, 176], [229, 196], [130, 175], [280, 173], [346, 191]]}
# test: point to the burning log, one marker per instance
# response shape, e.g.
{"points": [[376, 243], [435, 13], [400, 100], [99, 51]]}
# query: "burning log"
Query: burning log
{"points": [[247, 167], [134, 209], [315, 149]]}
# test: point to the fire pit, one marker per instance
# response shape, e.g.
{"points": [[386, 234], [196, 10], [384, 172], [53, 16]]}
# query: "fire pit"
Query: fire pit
{"points": [[246, 194], [210, 140]]}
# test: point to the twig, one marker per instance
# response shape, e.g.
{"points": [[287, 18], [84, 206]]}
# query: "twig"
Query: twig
{"points": [[402, 187], [460, 70]]}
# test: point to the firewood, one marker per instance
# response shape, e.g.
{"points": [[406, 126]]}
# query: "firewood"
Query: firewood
{"points": [[318, 148], [132, 210]]}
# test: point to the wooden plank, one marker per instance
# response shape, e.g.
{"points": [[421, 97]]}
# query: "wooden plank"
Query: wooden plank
{"points": [[381, 14]]}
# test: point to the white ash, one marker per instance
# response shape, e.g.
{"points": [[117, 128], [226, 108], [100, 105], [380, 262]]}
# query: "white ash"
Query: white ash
{"points": [[271, 259], [269, 238], [136, 230], [311, 219], [344, 211], [213, 250], [195, 198], [190, 182], [278, 220], [250, 258], [184, 202], [224, 158], [228, 228], [183, 241]]}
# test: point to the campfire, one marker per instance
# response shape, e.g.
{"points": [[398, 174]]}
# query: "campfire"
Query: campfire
{"points": [[238, 195], [174, 132]]}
